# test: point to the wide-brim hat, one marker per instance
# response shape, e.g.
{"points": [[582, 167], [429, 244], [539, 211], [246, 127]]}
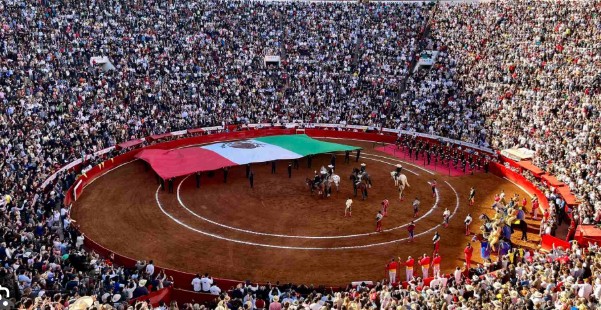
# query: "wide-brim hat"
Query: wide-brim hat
{"points": [[82, 303], [363, 165], [399, 166]]}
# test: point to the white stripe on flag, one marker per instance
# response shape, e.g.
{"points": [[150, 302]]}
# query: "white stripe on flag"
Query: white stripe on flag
{"points": [[250, 151]]}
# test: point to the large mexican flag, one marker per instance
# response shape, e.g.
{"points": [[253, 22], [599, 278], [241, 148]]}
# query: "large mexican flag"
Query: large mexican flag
{"points": [[174, 163]]}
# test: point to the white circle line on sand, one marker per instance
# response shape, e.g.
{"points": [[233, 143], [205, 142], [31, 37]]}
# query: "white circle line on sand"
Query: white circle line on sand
{"points": [[216, 236], [387, 162], [183, 205]]}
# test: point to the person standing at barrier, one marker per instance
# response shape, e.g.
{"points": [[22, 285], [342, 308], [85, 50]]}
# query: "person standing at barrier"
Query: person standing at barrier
{"points": [[347, 155], [409, 263], [289, 170], [226, 170], [309, 159], [379, 218], [411, 230], [273, 167], [333, 160], [170, 185], [392, 268], [247, 170], [251, 179], [425, 264], [198, 179], [535, 207], [436, 265], [468, 251], [358, 155]]}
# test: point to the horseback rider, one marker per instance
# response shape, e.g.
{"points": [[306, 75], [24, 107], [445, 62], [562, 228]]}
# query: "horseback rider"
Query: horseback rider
{"points": [[399, 169], [363, 167]]}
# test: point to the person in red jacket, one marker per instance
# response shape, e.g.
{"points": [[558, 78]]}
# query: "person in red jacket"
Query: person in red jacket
{"points": [[436, 265], [392, 267], [535, 207], [468, 255], [411, 230], [409, 268], [425, 263], [572, 228], [385, 204]]}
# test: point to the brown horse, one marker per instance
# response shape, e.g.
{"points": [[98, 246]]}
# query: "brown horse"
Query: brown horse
{"points": [[320, 187]]}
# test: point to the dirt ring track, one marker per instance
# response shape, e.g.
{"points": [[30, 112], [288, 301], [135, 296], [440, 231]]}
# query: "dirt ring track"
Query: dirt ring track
{"points": [[278, 231]]}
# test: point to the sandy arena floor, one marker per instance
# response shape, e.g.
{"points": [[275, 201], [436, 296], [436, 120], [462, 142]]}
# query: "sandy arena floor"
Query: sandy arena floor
{"points": [[278, 231]]}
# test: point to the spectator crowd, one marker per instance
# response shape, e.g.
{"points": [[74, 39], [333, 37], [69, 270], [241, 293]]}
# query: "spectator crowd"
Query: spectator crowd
{"points": [[508, 74]]}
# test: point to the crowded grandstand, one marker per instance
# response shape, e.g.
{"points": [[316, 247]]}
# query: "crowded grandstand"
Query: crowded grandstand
{"points": [[80, 77]]}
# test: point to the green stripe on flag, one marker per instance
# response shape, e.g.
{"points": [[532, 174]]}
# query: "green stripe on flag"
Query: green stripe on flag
{"points": [[304, 145]]}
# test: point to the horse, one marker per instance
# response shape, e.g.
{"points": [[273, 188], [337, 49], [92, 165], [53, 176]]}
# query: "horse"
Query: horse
{"points": [[362, 186], [400, 181], [359, 183], [315, 186], [334, 178], [364, 176], [514, 224]]}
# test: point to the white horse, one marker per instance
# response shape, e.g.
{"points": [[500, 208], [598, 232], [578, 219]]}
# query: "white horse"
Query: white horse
{"points": [[334, 178], [400, 181]]}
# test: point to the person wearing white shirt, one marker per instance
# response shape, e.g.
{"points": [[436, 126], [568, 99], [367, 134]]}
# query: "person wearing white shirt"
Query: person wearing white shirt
{"points": [[196, 283], [457, 275], [597, 289], [585, 289], [150, 268], [206, 283], [80, 240], [215, 290]]}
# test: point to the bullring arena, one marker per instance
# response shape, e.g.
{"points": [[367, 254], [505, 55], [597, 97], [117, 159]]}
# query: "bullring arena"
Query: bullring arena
{"points": [[241, 233], [250, 154]]}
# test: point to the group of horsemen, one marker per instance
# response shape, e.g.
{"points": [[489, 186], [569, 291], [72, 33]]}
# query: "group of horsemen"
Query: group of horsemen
{"points": [[509, 215], [325, 177]]}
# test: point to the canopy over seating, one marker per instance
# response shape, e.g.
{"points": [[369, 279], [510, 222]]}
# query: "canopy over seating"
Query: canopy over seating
{"points": [[526, 164]]}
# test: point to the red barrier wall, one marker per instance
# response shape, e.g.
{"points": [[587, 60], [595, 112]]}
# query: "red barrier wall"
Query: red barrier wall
{"points": [[156, 297], [186, 296], [547, 242], [501, 171]]}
